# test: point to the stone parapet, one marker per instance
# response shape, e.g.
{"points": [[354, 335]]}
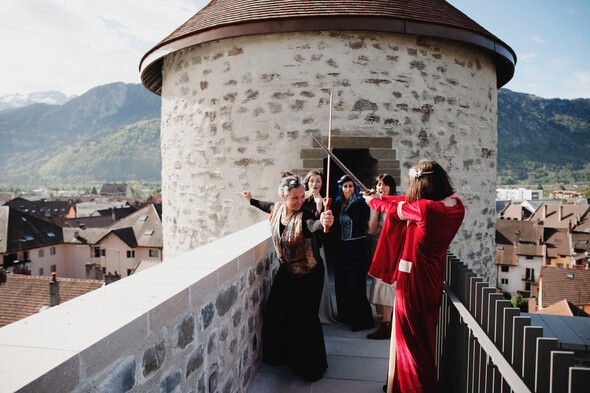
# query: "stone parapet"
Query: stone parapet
{"points": [[191, 323]]}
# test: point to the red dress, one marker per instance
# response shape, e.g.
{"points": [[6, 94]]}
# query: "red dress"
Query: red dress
{"points": [[432, 226], [390, 246]]}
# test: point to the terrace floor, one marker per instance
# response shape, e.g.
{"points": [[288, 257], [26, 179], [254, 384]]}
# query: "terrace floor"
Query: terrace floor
{"points": [[355, 364]]}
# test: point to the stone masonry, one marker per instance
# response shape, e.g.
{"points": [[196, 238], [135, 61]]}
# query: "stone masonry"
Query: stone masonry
{"points": [[235, 112]]}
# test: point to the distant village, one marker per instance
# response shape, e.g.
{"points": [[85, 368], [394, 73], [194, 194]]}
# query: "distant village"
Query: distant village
{"points": [[542, 251], [58, 249]]}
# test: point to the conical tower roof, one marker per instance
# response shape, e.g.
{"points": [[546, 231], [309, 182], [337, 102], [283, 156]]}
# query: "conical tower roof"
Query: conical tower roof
{"points": [[234, 18]]}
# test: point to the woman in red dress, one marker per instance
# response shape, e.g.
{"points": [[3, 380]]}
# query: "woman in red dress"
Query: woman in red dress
{"points": [[433, 215]]}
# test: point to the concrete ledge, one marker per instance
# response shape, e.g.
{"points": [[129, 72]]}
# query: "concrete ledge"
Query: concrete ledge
{"points": [[192, 321]]}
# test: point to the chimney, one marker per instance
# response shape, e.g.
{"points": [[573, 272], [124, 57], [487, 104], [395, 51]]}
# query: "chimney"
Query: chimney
{"points": [[516, 237], [113, 213], [569, 226], [53, 290], [560, 213], [2, 275], [544, 211]]}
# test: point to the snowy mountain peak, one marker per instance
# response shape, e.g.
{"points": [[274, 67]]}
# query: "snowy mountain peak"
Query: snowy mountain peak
{"points": [[51, 97]]}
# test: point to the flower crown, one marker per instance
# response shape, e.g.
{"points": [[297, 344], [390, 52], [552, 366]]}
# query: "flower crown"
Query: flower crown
{"points": [[416, 173]]}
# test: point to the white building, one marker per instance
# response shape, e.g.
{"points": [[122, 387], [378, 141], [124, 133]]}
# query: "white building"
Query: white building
{"points": [[518, 194]]}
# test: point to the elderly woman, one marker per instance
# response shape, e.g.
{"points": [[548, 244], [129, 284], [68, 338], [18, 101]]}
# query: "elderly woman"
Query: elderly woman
{"points": [[291, 329]]}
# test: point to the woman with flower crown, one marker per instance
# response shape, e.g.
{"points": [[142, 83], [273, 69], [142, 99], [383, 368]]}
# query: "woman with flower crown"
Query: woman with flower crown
{"points": [[291, 329], [433, 216], [351, 216]]}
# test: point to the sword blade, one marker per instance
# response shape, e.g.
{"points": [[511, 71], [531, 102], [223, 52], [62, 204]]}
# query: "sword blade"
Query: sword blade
{"points": [[342, 166]]}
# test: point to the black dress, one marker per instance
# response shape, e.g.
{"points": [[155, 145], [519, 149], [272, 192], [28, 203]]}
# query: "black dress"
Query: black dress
{"points": [[350, 267], [291, 329]]}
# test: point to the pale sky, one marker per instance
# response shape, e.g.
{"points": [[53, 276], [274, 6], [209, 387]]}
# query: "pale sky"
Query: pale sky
{"points": [[74, 45]]}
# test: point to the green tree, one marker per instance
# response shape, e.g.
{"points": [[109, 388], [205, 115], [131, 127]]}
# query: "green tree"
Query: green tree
{"points": [[520, 302], [587, 193]]}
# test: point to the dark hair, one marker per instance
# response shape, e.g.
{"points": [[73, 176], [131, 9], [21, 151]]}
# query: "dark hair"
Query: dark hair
{"points": [[309, 175], [429, 181], [388, 180]]}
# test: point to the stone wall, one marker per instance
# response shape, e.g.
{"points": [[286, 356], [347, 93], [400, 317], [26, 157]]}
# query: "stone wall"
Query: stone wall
{"points": [[191, 324], [236, 112]]}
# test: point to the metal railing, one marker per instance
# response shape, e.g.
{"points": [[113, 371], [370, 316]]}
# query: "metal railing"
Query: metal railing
{"points": [[484, 345]]}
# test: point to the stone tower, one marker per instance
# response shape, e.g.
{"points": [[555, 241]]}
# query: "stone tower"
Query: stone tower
{"points": [[245, 84]]}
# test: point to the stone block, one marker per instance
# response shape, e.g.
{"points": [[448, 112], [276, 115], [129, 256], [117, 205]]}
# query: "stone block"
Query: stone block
{"points": [[121, 379], [207, 315], [185, 332], [312, 154], [170, 382], [313, 163], [153, 358], [195, 361], [383, 154], [225, 299]]}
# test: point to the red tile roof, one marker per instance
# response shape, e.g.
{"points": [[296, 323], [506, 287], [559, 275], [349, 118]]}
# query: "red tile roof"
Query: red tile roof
{"points": [[563, 215], [22, 296], [232, 18], [570, 284]]}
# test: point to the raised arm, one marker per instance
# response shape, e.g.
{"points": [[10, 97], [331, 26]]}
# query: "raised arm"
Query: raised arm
{"points": [[262, 205]]}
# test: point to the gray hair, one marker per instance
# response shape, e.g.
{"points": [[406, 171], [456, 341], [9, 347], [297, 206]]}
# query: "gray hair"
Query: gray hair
{"points": [[288, 183]]}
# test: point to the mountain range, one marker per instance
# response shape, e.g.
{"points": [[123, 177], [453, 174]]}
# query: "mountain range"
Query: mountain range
{"points": [[112, 133]]}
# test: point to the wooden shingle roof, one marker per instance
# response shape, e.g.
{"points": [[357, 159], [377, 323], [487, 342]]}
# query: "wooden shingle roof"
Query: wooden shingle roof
{"points": [[234, 18]]}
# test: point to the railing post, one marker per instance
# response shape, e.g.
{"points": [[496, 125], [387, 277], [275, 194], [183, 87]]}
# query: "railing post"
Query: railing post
{"points": [[578, 380], [469, 275], [561, 361], [529, 356], [485, 304], [493, 299], [518, 342], [479, 286], [543, 370], [501, 305], [509, 314], [473, 294]]}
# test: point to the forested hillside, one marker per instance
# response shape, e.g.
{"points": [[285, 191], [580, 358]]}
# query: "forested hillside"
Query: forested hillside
{"points": [[112, 133], [542, 141]]}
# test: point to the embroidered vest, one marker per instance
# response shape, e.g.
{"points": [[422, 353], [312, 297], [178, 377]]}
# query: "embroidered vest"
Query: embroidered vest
{"points": [[293, 248]]}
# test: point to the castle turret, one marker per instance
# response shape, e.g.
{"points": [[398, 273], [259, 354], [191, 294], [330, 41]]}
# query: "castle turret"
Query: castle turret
{"points": [[245, 84]]}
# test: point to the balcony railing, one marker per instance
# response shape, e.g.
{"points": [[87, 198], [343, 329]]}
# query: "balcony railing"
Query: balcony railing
{"points": [[485, 345]]}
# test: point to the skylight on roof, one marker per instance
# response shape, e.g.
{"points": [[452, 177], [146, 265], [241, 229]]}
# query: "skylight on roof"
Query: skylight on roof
{"points": [[142, 218], [29, 238], [148, 232], [50, 234], [24, 219]]}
